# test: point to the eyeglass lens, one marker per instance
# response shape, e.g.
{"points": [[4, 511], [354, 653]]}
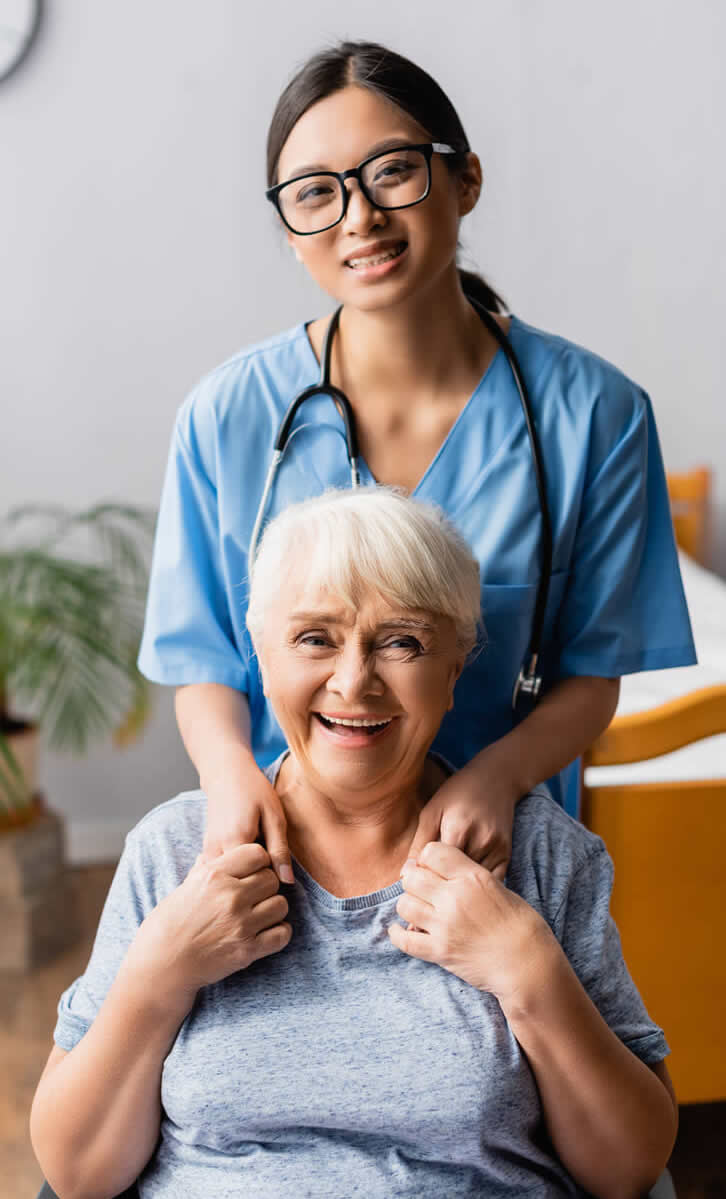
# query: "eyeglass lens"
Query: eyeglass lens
{"points": [[392, 180]]}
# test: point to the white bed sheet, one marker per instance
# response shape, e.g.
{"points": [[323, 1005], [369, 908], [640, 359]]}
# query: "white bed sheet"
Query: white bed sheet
{"points": [[706, 597]]}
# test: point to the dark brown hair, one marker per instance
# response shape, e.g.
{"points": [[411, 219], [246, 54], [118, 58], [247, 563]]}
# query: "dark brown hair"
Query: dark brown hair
{"points": [[397, 79]]}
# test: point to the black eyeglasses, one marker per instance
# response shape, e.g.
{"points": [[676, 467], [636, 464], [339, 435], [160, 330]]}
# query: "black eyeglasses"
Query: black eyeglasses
{"points": [[395, 178]]}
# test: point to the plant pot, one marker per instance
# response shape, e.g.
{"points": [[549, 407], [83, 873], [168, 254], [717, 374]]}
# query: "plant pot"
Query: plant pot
{"points": [[22, 736]]}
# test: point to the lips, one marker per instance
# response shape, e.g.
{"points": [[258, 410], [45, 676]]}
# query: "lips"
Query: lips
{"points": [[375, 253], [353, 725]]}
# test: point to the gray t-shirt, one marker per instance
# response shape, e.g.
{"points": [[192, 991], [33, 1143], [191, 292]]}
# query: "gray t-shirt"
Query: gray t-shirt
{"points": [[342, 1067]]}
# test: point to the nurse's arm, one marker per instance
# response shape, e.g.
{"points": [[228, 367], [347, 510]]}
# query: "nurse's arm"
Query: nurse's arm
{"points": [[561, 727], [214, 722], [612, 1118]]}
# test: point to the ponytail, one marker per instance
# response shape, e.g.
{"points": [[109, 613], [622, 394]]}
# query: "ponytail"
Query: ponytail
{"points": [[478, 288]]}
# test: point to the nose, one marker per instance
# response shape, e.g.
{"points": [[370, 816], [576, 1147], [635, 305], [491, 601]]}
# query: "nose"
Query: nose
{"points": [[354, 676], [360, 215]]}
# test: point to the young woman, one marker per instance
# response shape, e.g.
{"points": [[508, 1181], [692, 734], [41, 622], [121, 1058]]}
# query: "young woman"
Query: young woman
{"points": [[371, 173]]}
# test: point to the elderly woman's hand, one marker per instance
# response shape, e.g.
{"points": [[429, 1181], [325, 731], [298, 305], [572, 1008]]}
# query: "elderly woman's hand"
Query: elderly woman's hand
{"points": [[225, 915], [474, 811], [466, 921]]}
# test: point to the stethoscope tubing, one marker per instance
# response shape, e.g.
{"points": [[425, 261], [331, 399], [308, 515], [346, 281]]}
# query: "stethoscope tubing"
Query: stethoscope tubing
{"points": [[529, 682]]}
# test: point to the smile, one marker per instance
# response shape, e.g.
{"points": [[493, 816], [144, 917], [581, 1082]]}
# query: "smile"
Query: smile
{"points": [[357, 264], [353, 730]]}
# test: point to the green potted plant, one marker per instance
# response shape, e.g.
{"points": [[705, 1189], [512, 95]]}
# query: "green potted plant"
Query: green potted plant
{"points": [[70, 626]]}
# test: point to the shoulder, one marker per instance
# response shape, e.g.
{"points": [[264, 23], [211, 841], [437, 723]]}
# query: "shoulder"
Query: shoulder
{"points": [[163, 846], [568, 378], [263, 369], [550, 851]]}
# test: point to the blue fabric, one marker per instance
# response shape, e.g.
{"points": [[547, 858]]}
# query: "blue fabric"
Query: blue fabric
{"points": [[616, 602], [341, 1066]]}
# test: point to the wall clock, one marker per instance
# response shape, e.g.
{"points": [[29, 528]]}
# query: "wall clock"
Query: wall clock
{"points": [[19, 20]]}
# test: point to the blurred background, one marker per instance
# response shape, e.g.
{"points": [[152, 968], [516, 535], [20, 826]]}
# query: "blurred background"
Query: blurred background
{"points": [[138, 250]]}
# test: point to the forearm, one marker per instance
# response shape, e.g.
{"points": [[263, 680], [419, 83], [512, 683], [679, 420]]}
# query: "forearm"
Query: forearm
{"points": [[95, 1118], [611, 1120], [214, 722], [563, 724]]}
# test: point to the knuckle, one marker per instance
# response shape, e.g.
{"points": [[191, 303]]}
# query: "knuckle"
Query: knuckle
{"points": [[259, 855]]}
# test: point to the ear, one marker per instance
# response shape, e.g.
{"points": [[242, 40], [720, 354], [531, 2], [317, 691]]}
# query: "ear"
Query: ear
{"points": [[469, 183], [456, 670]]}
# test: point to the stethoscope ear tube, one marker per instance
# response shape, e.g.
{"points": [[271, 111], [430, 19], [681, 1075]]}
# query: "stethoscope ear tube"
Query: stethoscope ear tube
{"points": [[342, 403], [529, 682]]}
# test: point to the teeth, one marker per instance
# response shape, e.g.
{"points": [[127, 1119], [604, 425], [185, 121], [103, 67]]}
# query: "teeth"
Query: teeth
{"points": [[354, 723], [374, 259]]}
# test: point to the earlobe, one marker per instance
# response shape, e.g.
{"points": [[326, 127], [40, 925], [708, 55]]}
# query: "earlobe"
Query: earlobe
{"points": [[293, 245], [470, 184]]}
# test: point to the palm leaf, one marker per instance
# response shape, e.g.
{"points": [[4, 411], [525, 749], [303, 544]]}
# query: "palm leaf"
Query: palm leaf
{"points": [[70, 629]]}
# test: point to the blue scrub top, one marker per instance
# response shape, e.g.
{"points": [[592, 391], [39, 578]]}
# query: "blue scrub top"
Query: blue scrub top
{"points": [[616, 602]]}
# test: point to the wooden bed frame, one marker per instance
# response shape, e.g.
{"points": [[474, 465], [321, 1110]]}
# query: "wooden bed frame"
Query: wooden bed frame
{"points": [[668, 843]]}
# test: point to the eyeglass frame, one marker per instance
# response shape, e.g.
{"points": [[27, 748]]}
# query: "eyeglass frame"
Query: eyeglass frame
{"points": [[428, 149]]}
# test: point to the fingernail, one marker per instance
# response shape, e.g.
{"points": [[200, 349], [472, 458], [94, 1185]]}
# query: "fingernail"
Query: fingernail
{"points": [[286, 874]]}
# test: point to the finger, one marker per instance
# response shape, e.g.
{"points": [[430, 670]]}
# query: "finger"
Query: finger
{"points": [[275, 837], [427, 830], [268, 912], [272, 940], [415, 944], [417, 912], [495, 858], [242, 860], [445, 860], [421, 883], [500, 872], [210, 851]]}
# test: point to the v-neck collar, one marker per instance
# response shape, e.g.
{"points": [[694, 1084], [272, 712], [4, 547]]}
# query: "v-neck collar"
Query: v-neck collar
{"points": [[460, 419]]}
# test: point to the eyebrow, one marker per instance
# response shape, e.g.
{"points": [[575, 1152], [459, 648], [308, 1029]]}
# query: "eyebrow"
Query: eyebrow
{"points": [[389, 143], [406, 622]]}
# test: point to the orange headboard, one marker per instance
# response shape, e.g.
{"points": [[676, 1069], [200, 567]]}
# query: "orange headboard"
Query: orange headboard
{"points": [[689, 495]]}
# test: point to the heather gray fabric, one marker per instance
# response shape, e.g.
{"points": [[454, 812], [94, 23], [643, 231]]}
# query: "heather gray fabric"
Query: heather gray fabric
{"points": [[341, 1067]]}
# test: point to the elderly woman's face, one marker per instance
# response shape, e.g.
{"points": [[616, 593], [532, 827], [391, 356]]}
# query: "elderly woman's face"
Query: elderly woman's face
{"points": [[359, 694]]}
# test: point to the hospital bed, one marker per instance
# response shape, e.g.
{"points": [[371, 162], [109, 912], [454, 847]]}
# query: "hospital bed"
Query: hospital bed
{"points": [[654, 789]]}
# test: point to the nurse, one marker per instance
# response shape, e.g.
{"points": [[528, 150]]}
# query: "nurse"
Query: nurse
{"points": [[438, 415]]}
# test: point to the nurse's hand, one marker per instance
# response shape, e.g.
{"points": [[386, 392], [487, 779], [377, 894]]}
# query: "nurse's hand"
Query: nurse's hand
{"points": [[241, 805], [473, 811]]}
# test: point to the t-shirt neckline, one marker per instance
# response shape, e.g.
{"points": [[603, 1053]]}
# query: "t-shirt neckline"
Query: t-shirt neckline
{"points": [[318, 894]]}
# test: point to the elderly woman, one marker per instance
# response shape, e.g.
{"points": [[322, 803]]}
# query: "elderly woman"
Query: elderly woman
{"points": [[229, 1040]]}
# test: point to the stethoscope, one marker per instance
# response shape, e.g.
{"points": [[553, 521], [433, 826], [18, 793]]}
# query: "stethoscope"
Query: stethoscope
{"points": [[529, 682]]}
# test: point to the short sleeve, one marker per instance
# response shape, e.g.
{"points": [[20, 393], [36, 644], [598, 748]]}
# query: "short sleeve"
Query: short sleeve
{"points": [[624, 609], [128, 902], [590, 939], [188, 632]]}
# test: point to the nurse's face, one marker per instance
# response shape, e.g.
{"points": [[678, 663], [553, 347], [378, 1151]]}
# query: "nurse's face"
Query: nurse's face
{"points": [[336, 134], [390, 670]]}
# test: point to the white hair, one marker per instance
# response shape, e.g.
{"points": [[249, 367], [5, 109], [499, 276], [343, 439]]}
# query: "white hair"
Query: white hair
{"points": [[371, 538]]}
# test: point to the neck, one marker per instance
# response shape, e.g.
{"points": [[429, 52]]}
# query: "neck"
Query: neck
{"points": [[324, 828], [425, 345]]}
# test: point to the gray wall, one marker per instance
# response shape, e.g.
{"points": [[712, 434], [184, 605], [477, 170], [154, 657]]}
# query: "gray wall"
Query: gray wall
{"points": [[138, 250]]}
